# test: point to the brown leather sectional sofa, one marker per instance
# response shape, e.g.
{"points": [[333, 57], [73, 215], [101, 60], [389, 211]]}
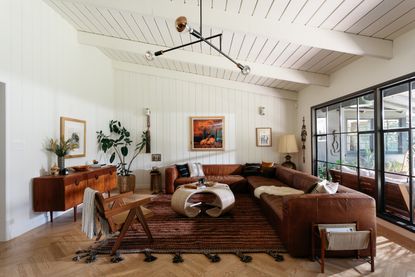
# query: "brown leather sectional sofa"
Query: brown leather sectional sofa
{"points": [[292, 215]]}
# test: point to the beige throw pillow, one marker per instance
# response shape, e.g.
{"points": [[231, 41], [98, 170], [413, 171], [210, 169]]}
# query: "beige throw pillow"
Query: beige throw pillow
{"points": [[196, 170]]}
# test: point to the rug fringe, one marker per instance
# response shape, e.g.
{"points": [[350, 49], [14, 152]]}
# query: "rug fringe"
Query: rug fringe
{"points": [[177, 258], [276, 255], [214, 258], [244, 258], [149, 258]]}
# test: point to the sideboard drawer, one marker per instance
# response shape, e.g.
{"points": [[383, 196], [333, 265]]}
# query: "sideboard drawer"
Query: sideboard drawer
{"points": [[74, 193]]}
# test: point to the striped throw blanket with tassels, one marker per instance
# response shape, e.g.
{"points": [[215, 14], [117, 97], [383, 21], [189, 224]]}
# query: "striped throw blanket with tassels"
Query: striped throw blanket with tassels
{"points": [[88, 213]]}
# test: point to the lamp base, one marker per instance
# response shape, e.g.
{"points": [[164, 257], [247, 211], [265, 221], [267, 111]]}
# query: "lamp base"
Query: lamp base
{"points": [[288, 163]]}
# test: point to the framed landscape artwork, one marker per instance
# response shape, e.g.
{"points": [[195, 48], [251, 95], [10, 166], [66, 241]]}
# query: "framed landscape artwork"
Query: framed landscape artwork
{"points": [[207, 133], [75, 129], [264, 137]]}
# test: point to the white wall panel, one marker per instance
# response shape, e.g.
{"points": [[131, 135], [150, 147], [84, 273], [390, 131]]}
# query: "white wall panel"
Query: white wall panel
{"points": [[47, 75], [173, 102]]}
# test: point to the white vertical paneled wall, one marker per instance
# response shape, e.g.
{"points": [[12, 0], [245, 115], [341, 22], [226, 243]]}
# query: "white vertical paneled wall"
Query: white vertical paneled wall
{"points": [[47, 75], [174, 101]]}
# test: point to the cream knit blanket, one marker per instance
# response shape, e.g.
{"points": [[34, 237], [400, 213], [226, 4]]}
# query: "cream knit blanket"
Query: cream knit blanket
{"points": [[88, 213], [274, 190]]}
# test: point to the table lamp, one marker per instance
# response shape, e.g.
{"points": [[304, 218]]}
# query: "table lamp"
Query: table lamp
{"points": [[288, 144]]}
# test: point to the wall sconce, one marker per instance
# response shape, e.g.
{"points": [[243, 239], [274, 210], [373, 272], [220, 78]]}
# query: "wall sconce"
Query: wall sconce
{"points": [[261, 110], [148, 112]]}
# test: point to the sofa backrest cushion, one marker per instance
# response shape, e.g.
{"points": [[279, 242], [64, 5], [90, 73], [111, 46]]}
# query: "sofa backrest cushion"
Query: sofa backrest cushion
{"points": [[304, 181], [251, 169], [285, 174], [222, 169]]}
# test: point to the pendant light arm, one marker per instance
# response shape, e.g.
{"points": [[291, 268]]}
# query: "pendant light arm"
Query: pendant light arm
{"points": [[161, 52], [196, 34]]}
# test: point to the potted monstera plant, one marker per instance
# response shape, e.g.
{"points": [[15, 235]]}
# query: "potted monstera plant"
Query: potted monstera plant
{"points": [[118, 143]]}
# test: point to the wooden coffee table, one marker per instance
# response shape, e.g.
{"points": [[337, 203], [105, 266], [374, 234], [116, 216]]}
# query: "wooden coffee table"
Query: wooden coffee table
{"points": [[222, 203]]}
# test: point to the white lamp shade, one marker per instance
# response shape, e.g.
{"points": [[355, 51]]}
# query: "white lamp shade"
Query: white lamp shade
{"points": [[287, 144]]}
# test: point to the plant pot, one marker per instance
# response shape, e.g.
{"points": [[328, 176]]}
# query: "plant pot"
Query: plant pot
{"points": [[126, 183]]}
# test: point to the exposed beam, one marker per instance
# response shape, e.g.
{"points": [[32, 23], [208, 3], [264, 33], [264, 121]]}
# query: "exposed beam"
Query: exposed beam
{"points": [[270, 28], [262, 70], [190, 77]]}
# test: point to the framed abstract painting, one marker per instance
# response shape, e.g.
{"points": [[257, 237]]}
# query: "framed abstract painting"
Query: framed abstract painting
{"points": [[207, 133], [76, 130]]}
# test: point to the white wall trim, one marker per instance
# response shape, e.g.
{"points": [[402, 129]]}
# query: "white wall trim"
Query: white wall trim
{"points": [[198, 79]]}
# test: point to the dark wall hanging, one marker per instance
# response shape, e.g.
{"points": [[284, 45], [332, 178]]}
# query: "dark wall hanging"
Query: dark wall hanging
{"points": [[303, 138]]}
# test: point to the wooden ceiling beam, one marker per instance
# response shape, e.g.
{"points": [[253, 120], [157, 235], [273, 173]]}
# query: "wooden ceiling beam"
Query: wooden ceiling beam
{"points": [[221, 62]]}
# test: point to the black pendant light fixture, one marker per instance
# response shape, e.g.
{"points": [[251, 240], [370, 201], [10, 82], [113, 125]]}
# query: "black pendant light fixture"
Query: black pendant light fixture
{"points": [[182, 25]]}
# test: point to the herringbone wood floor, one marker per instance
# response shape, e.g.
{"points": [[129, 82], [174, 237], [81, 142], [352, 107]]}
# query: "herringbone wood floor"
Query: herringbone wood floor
{"points": [[48, 251]]}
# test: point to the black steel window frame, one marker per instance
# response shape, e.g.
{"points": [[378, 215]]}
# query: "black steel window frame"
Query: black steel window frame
{"points": [[379, 145]]}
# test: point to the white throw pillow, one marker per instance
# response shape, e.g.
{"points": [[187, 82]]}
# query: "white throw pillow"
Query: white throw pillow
{"points": [[326, 187], [196, 170]]}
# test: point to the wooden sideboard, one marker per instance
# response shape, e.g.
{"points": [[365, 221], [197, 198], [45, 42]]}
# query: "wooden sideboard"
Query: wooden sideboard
{"points": [[60, 193]]}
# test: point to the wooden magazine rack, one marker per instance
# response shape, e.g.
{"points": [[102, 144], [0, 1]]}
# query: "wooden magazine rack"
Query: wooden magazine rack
{"points": [[340, 237]]}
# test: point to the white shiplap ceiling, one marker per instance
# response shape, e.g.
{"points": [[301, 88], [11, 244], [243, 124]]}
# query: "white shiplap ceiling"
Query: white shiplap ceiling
{"points": [[289, 44]]}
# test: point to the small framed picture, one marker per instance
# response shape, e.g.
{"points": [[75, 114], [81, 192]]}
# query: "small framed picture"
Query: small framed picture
{"points": [[263, 137], [75, 129]]}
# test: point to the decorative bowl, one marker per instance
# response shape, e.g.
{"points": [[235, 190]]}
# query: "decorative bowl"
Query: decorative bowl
{"points": [[81, 167]]}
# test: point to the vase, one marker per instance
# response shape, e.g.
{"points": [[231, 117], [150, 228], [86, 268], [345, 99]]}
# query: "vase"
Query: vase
{"points": [[126, 183], [61, 162], [61, 165]]}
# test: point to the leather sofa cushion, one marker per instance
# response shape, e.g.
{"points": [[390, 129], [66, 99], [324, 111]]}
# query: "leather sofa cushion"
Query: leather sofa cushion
{"points": [[285, 175], [274, 203], [303, 181], [222, 169], [258, 181]]}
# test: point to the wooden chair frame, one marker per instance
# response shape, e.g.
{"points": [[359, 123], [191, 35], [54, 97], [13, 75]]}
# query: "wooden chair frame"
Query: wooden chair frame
{"points": [[109, 207], [322, 235]]}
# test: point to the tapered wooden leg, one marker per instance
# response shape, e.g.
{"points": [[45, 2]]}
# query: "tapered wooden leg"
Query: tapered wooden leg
{"points": [[372, 259], [124, 230], [74, 213], [323, 249], [143, 222], [51, 216], [99, 236], [313, 244]]}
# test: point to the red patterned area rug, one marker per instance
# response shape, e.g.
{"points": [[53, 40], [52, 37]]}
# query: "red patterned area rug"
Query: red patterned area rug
{"points": [[244, 229]]}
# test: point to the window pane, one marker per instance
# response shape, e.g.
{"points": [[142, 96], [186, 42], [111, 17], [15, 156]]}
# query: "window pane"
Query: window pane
{"points": [[349, 177], [396, 152], [396, 195], [349, 115], [367, 151], [333, 117], [321, 148], [321, 116], [413, 103], [333, 146], [332, 167], [366, 112], [396, 107], [367, 182], [349, 149], [321, 170]]}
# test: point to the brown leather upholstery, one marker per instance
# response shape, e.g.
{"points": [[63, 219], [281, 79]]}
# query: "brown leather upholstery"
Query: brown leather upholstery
{"points": [[285, 175], [223, 173], [293, 215], [258, 181], [300, 212], [303, 181]]}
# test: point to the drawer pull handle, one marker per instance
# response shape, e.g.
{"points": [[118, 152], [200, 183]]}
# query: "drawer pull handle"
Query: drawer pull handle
{"points": [[76, 182], [96, 177]]}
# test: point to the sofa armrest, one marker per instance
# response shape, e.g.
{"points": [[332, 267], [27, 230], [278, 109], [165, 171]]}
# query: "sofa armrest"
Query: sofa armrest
{"points": [[171, 175], [301, 212]]}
